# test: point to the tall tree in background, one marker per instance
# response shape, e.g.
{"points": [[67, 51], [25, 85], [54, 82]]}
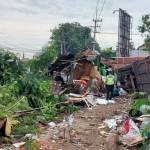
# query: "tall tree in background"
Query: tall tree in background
{"points": [[107, 53], [145, 30], [73, 36], [43, 60]]}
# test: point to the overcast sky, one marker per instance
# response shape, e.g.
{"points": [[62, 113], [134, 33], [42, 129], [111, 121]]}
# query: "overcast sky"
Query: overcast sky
{"points": [[25, 24]]}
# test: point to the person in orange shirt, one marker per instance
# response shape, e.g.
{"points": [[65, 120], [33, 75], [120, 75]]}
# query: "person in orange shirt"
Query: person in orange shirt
{"points": [[82, 83]]}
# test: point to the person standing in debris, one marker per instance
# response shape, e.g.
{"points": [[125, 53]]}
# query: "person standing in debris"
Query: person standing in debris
{"points": [[110, 81], [94, 88], [58, 78]]}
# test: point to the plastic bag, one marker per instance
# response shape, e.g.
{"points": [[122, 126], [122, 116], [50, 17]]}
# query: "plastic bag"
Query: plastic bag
{"points": [[133, 130], [143, 108], [52, 125], [110, 122], [144, 123], [122, 92], [104, 102], [101, 101], [69, 119]]}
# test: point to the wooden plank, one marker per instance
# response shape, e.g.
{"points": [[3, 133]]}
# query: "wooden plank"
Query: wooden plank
{"points": [[75, 95], [86, 103], [132, 82], [92, 103], [74, 98], [62, 91]]}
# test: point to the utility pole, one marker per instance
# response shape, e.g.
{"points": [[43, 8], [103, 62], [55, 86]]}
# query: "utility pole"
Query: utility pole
{"points": [[61, 48], [64, 42], [95, 26]]}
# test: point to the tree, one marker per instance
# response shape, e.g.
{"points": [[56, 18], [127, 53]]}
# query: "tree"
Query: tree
{"points": [[108, 52], [145, 30], [145, 27], [74, 35], [10, 65], [43, 60]]}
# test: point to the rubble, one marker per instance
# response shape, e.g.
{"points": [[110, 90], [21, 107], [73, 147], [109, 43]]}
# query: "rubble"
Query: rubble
{"points": [[111, 142], [100, 124]]}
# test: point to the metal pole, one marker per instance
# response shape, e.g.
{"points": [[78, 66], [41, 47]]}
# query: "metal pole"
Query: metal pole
{"points": [[61, 49], [64, 42]]}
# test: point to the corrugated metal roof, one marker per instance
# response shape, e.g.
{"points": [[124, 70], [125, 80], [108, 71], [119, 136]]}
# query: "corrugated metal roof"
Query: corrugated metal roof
{"points": [[25, 59], [139, 53], [120, 62], [86, 51]]}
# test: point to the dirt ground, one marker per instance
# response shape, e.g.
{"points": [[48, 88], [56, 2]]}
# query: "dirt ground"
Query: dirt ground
{"points": [[84, 132]]}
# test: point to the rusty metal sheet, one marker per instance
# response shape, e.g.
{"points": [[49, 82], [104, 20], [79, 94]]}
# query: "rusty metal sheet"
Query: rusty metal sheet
{"points": [[142, 74]]}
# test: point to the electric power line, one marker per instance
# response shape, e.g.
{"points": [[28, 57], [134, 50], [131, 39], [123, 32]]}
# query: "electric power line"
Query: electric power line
{"points": [[95, 11], [102, 8], [101, 41], [102, 29], [15, 45], [103, 17], [107, 10], [115, 33]]}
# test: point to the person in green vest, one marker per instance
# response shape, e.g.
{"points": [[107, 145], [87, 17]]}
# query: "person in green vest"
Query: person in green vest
{"points": [[110, 81]]}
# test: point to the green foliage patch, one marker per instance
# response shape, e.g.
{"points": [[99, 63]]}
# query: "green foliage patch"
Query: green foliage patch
{"points": [[69, 109]]}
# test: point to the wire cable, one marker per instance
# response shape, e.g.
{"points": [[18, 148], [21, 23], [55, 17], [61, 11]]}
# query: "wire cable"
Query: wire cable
{"points": [[107, 10], [102, 44], [16, 45], [102, 8], [102, 30], [95, 11]]}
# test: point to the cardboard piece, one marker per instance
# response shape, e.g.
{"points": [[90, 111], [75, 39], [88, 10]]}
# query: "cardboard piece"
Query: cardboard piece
{"points": [[17, 145], [133, 141], [8, 127]]}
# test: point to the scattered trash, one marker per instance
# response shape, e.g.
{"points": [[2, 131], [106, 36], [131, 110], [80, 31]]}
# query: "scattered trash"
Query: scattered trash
{"points": [[143, 117], [104, 102], [111, 102], [144, 123], [90, 99], [144, 108], [111, 142], [101, 101], [113, 129], [54, 137], [67, 133], [101, 127], [110, 123], [133, 137], [69, 119], [87, 116], [8, 127], [89, 108], [122, 92], [117, 117], [17, 145], [14, 122], [28, 136], [52, 125], [121, 131], [74, 140], [102, 133]]}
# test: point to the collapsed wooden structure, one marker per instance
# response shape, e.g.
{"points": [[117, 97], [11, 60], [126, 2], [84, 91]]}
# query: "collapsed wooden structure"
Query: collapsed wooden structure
{"points": [[84, 64], [139, 75]]}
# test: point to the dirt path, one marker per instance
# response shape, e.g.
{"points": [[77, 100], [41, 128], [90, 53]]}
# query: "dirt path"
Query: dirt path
{"points": [[84, 131]]}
